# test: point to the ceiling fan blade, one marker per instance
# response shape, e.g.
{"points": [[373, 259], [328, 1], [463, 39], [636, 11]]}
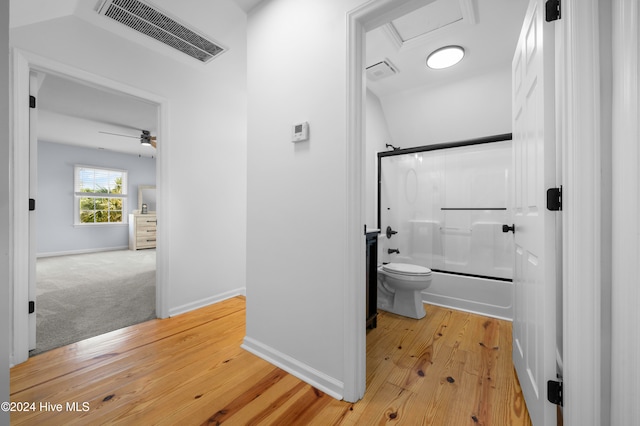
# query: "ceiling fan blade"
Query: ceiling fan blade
{"points": [[145, 135], [119, 134]]}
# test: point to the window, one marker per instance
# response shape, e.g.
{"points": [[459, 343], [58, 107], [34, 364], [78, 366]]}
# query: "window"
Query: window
{"points": [[100, 195]]}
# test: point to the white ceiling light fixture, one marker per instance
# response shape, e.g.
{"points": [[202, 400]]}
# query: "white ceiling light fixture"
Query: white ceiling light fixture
{"points": [[445, 57]]}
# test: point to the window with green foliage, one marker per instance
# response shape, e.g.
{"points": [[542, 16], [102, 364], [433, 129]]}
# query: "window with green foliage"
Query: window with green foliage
{"points": [[100, 195]]}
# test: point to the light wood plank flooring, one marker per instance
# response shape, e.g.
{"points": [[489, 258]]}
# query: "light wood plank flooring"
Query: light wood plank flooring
{"points": [[451, 368]]}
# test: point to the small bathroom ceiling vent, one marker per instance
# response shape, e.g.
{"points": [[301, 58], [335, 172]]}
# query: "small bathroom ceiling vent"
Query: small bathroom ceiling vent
{"points": [[150, 21], [380, 70]]}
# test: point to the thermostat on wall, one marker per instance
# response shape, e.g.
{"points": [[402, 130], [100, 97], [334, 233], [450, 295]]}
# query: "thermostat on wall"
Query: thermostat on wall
{"points": [[300, 132]]}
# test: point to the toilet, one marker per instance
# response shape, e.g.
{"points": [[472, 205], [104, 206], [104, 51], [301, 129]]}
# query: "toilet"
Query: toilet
{"points": [[399, 289]]}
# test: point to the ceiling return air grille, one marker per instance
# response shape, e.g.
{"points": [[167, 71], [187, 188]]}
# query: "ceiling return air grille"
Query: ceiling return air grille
{"points": [[148, 20]]}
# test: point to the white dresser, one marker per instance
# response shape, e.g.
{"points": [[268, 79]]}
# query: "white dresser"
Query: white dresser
{"points": [[142, 231]]}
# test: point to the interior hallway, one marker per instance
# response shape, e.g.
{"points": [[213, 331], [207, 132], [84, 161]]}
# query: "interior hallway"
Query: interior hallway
{"points": [[450, 368]]}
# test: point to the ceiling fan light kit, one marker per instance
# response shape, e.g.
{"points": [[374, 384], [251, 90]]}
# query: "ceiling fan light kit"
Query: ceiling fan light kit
{"points": [[145, 138]]}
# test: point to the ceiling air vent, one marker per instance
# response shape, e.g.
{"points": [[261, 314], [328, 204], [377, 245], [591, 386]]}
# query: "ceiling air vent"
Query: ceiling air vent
{"points": [[150, 21]]}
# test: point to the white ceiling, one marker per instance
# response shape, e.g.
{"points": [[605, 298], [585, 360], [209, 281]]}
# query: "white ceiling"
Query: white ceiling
{"points": [[65, 104], [487, 29], [247, 5], [76, 99]]}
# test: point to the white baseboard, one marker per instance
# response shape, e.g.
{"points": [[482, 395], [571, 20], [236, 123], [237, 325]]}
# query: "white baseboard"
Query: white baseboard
{"points": [[84, 251], [207, 301], [302, 371]]}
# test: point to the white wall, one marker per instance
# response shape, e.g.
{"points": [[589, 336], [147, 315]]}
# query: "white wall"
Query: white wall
{"points": [[606, 218], [377, 136], [297, 206], [56, 232], [4, 208], [467, 109], [205, 149]]}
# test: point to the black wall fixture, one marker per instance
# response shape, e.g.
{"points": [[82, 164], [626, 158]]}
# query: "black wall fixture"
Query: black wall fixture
{"points": [[390, 232]]}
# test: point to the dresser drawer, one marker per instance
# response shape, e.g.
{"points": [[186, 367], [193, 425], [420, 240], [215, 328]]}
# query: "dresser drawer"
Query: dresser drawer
{"points": [[146, 222], [146, 241], [142, 231]]}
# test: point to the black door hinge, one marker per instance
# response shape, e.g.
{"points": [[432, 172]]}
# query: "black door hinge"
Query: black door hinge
{"points": [[32, 204], [32, 101], [554, 199], [552, 10], [554, 392], [32, 306]]}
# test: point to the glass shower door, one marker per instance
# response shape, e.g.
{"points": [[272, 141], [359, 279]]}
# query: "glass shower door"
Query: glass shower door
{"points": [[448, 207]]}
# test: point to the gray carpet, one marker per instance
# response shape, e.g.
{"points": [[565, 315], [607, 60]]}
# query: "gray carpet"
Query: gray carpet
{"points": [[82, 296]]}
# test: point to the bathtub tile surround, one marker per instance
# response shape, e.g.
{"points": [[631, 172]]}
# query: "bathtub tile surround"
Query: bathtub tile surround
{"points": [[447, 204]]}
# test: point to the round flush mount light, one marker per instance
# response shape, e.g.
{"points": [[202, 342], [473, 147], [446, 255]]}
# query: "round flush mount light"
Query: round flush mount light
{"points": [[445, 57]]}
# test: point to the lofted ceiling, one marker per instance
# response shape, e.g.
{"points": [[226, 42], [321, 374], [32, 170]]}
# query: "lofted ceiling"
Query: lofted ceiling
{"points": [[93, 112], [247, 5], [487, 29]]}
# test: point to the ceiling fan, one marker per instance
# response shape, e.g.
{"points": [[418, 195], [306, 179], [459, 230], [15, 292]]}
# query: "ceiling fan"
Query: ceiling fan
{"points": [[145, 137]]}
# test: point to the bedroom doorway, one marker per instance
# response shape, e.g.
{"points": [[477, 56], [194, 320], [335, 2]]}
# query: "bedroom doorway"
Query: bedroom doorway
{"points": [[25, 66], [87, 163]]}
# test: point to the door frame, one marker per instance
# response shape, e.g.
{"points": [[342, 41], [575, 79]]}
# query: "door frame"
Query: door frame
{"points": [[578, 87], [358, 21], [625, 211], [578, 49], [22, 63]]}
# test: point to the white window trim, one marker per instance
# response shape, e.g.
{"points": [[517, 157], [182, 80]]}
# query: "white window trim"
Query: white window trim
{"points": [[78, 195]]}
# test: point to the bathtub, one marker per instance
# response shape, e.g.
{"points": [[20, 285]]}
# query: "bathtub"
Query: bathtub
{"points": [[447, 204], [492, 298]]}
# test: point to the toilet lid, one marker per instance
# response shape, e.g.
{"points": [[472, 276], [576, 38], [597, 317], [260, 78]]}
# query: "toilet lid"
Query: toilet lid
{"points": [[406, 269]]}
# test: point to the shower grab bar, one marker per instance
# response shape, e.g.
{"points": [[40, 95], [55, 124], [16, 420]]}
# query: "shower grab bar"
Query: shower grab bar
{"points": [[473, 208]]}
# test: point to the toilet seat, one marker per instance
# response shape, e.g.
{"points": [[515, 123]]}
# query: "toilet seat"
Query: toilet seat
{"points": [[406, 269]]}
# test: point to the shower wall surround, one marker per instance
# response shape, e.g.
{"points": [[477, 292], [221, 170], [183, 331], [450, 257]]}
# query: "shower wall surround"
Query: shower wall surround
{"points": [[448, 206]]}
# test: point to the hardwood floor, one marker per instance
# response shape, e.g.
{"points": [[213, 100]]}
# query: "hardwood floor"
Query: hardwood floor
{"points": [[451, 368]]}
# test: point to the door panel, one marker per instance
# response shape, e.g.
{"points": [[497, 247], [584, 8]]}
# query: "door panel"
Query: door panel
{"points": [[534, 324]]}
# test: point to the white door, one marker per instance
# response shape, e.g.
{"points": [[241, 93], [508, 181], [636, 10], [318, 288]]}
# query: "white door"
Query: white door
{"points": [[34, 86], [534, 325]]}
